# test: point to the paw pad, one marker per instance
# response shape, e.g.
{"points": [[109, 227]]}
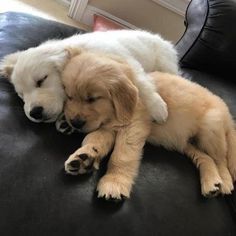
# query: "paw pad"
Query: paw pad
{"points": [[80, 164], [62, 125], [75, 164], [214, 192], [83, 157]]}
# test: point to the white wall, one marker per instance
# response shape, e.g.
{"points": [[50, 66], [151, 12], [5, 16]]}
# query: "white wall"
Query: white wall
{"points": [[145, 14]]}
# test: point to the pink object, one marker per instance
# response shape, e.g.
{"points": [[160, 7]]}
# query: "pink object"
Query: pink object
{"points": [[102, 23]]}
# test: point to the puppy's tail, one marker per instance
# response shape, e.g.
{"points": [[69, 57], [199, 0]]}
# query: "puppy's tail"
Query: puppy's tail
{"points": [[231, 154]]}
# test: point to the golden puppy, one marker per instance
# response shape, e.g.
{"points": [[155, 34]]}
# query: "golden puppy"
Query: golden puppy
{"points": [[103, 101]]}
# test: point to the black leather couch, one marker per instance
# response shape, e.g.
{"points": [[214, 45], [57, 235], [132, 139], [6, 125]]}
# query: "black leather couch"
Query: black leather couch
{"points": [[37, 198]]}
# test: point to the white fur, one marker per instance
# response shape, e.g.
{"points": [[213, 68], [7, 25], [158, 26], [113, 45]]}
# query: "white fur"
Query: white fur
{"points": [[144, 51]]}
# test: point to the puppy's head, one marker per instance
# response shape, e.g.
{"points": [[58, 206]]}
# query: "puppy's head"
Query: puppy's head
{"points": [[36, 76], [100, 91]]}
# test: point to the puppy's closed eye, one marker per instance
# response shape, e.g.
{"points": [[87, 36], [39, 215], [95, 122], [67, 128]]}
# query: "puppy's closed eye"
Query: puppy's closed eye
{"points": [[68, 97], [91, 99], [39, 83]]}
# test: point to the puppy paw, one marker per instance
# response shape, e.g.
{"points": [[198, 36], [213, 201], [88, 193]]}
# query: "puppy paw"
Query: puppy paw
{"points": [[84, 160], [232, 170], [158, 110], [113, 188], [62, 126], [227, 187], [79, 164], [211, 188]]}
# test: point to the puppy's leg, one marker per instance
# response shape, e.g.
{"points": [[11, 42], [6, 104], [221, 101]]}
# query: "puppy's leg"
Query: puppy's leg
{"points": [[147, 90], [227, 186], [95, 146], [212, 139], [7, 64], [62, 126], [231, 151], [209, 175], [124, 163]]}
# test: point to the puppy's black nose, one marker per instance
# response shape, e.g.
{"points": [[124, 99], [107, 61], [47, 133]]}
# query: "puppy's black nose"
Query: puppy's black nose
{"points": [[77, 123], [37, 113]]}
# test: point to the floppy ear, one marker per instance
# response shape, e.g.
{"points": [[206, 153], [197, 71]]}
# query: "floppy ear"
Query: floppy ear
{"points": [[72, 51], [7, 64], [61, 56], [124, 96]]}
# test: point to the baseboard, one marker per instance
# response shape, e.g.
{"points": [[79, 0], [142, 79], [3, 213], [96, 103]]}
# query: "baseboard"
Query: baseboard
{"points": [[90, 11], [65, 3], [84, 14], [177, 6]]}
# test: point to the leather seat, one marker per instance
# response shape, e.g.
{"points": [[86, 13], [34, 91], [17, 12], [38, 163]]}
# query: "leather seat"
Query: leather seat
{"points": [[37, 198]]}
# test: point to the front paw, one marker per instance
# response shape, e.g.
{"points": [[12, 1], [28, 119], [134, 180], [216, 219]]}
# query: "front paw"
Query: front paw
{"points": [[62, 126], [159, 110], [227, 187], [80, 164], [114, 188]]}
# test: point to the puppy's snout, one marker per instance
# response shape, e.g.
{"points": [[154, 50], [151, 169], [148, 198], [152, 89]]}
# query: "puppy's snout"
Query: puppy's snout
{"points": [[37, 113], [77, 123]]}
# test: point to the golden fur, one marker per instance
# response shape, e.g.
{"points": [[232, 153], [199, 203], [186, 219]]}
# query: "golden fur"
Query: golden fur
{"points": [[101, 91]]}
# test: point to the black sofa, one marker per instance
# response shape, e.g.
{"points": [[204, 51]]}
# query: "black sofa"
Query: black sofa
{"points": [[37, 198]]}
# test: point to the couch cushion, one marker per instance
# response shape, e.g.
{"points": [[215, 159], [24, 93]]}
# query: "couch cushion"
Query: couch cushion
{"points": [[37, 198], [19, 31], [209, 40]]}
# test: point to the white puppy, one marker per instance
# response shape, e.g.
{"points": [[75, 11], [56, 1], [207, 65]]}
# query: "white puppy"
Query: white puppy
{"points": [[36, 72]]}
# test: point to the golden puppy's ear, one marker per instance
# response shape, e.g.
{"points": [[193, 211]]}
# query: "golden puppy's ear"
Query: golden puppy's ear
{"points": [[7, 64], [124, 96]]}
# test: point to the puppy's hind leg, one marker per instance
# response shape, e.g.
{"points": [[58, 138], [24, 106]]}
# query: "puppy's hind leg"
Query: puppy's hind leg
{"points": [[209, 175], [212, 140], [231, 154]]}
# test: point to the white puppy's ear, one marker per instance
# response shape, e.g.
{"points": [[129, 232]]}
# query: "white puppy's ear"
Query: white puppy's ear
{"points": [[7, 64], [62, 56], [73, 51]]}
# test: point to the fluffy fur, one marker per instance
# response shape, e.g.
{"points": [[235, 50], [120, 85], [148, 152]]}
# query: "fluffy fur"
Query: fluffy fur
{"points": [[43, 65], [101, 92]]}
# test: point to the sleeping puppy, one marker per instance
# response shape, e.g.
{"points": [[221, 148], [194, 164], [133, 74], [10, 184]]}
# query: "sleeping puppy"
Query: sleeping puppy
{"points": [[103, 101], [36, 72]]}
